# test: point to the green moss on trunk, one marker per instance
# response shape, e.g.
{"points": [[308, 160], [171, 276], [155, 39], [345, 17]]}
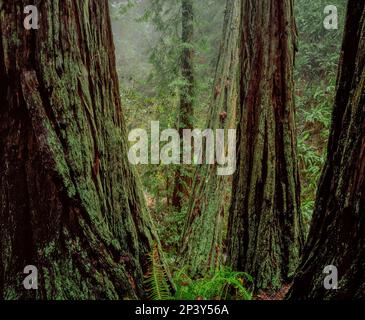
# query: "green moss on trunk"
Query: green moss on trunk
{"points": [[201, 248], [265, 233], [69, 200]]}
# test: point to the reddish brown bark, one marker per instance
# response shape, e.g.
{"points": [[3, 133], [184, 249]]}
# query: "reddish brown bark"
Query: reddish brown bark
{"points": [[69, 202], [265, 233]]}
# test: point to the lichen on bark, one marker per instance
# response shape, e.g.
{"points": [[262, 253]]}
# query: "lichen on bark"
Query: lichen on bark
{"points": [[265, 232], [69, 200], [202, 248]]}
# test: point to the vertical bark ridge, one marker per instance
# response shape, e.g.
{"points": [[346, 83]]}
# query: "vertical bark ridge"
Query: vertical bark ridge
{"points": [[265, 227], [70, 203], [202, 246]]}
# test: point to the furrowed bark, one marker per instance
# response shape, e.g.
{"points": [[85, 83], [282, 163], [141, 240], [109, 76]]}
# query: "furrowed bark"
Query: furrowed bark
{"points": [[69, 200], [182, 178], [265, 233], [201, 248]]}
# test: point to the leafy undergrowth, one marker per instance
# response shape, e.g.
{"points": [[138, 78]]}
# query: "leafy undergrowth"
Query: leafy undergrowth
{"points": [[156, 279], [224, 284]]}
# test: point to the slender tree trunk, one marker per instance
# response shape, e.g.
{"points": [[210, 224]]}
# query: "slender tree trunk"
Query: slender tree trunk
{"points": [[182, 177], [201, 247], [69, 201], [265, 233], [337, 235]]}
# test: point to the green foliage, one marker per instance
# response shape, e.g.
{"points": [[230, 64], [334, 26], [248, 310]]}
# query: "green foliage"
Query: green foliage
{"points": [[318, 48], [314, 109], [165, 54], [169, 228], [224, 284], [121, 9], [315, 73], [156, 278]]}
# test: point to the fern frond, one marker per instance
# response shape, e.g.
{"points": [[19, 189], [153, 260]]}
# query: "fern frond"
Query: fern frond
{"points": [[156, 278]]}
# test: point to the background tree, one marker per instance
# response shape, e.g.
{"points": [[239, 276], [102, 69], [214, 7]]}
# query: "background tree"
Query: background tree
{"points": [[338, 227], [265, 232], [201, 247], [186, 112], [148, 36], [69, 201]]}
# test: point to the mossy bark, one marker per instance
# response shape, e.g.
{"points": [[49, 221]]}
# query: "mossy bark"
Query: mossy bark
{"points": [[337, 234], [69, 200], [201, 248], [186, 112], [265, 232]]}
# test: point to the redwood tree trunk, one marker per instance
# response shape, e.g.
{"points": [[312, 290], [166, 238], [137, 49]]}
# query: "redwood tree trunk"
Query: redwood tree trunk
{"points": [[182, 177], [337, 235], [265, 234], [69, 201], [201, 248]]}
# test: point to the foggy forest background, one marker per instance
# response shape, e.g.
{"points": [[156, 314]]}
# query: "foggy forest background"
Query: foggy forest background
{"points": [[147, 36]]}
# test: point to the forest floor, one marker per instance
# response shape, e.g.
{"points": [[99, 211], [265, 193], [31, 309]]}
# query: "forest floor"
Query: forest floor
{"points": [[280, 295]]}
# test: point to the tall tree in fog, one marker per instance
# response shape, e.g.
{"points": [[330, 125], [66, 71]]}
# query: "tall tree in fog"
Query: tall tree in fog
{"points": [[185, 121], [201, 247]]}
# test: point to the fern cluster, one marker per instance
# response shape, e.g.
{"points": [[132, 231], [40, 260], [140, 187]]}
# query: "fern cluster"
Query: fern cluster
{"points": [[223, 284], [156, 278]]}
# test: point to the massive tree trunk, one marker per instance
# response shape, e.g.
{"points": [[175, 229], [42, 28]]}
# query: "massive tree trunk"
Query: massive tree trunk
{"points": [[201, 247], [337, 235], [265, 235], [69, 201], [182, 177]]}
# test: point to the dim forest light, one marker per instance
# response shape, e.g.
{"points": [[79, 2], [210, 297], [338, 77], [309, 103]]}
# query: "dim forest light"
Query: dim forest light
{"points": [[199, 153]]}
